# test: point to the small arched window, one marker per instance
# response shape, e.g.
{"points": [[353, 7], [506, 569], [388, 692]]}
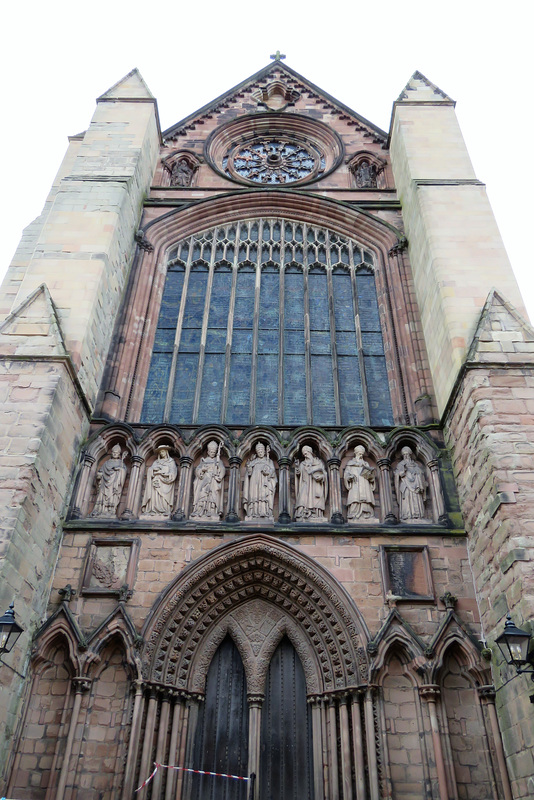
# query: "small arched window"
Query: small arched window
{"points": [[269, 321]]}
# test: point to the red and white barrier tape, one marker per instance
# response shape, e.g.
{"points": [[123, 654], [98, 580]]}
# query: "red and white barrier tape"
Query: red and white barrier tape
{"points": [[194, 771]]}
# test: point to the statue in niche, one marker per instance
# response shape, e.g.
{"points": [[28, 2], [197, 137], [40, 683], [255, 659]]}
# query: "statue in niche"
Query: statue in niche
{"points": [[311, 486], [159, 489], [208, 485], [359, 478], [259, 486], [109, 483], [365, 175], [410, 488], [182, 173]]}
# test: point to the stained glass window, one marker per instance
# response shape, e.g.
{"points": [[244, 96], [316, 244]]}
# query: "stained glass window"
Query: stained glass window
{"points": [[269, 321]]}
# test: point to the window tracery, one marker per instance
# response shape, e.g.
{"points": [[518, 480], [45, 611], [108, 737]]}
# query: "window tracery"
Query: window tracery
{"points": [[269, 321], [274, 161]]}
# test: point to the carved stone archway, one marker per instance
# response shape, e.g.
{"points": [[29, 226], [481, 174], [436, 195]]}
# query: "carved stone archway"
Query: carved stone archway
{"points": [[223, 592]]}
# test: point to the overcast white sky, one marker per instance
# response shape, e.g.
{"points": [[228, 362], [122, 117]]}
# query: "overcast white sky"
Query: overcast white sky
{"points": [[59, 56]]}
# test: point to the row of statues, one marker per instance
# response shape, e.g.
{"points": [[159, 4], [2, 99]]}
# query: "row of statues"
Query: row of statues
{"points": [[259, 486]]}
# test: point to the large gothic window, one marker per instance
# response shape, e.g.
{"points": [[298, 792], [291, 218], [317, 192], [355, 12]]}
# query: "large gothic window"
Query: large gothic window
{"points": [[269, 321]]}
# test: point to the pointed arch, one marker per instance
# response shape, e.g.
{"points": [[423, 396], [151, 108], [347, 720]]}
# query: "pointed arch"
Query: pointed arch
{"points": [[233, 588]]}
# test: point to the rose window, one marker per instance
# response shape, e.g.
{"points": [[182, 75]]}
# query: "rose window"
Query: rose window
{"points": [[273, 161]]}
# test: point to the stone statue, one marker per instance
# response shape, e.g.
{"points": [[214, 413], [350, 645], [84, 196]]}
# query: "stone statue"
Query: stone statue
{"points": [[159, 489], [109, 482], [359, 478], [259, 486], [311, 487], [410, 488], [182, 173], [208, 485], [365, 175]]}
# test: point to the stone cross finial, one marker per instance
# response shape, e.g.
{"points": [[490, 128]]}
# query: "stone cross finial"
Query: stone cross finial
{"points": [[277, 56]]}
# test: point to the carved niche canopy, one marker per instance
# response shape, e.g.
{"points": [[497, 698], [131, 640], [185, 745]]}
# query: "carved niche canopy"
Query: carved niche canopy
{"points": [[273, 149]]}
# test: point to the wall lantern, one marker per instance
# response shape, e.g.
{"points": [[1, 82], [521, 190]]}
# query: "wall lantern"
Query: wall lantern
{"points": [[514, 645], [10, 630]]}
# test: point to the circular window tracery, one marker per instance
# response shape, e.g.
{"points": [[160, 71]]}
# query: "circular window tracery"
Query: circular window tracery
{"points": [[273, 161], [274, 150]]}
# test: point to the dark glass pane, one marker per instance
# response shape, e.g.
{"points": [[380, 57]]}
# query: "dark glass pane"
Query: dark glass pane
{"points": [[164, 340], [216, 340], [239, 393], [211, 390], [324, 409], [294, 342], [320, 343], [221, 736], [367, 302], [267, 390], [220, 299], [268, 341], [294, 300], [294, 390], [269, 300], [170, 302], [183, 395], [190, 340], [318, 299], [343, 306], [196, 295], [242, 341], [378, 390], [350, 390], [244, 300], [372, 343], [346, 343], [156, 388]]}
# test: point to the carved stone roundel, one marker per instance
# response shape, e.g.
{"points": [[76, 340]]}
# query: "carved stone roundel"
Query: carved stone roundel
{"points": [[273, 161]]}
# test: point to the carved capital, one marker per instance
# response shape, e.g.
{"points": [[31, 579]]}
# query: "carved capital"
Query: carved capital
{"points": [[81, 684], [487, 692], [255, 700], [137, 461], [384, 463], [430, 692], [284, 462], [235, 461], [186, 461], [334, 463], [449, 600], [125, 593]]}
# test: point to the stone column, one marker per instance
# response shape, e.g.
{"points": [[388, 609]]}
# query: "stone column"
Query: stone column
{"points": [[346, 771], [133, 488], [193, 702], [487, 698], [233, 489], [173, 746], [81, 685], [255, 703], [385, 491], [146, 766], [332, 749], [336, 507], [184, 485], [162, 741], [317, 748], [437, 497], [324, 731], [284, 491], [357, 735], [371, 743], [137, 718], [84, 487], [181, 748], [431, 693]]}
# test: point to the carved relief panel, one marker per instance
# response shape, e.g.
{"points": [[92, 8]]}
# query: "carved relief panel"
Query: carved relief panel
{"points": [[110, 566]]}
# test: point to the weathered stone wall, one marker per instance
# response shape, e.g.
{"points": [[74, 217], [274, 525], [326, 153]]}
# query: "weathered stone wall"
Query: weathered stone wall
{"points": [[490, 429], [63, 290], [455, 248]]}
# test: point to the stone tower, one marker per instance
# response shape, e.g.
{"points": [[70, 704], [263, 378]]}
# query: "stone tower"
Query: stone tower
{"points": [[266, 472]]}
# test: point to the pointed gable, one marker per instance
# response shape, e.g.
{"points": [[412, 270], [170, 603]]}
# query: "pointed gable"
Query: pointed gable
{"points": [[420, 90], [131, 87], [276, 87], [33, 328], [502, 334]]}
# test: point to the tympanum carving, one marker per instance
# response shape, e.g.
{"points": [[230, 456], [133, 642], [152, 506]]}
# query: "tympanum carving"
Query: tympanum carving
{"points": [[208, 485], [158, 497], [109, 483], [311, 487], [360, 480], [259, 486]]}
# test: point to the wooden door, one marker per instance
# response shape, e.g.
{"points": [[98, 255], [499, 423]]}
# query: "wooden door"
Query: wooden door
{"points": [[286, 739], [221, 740]]}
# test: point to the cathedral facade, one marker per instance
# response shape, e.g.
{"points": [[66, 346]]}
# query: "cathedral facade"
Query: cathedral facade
{"points": [[267, 469]]}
